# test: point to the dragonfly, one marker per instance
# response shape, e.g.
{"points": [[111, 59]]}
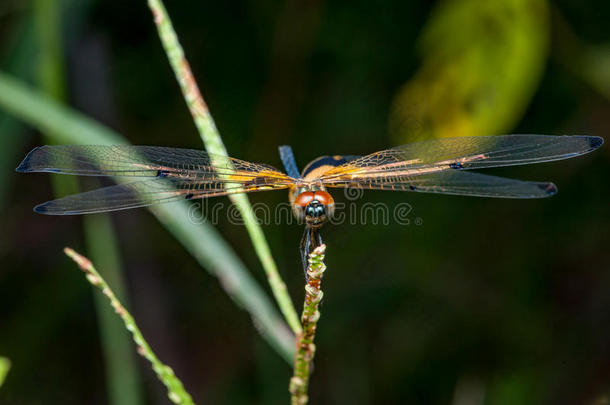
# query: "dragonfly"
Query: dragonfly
{"points": [[164, 174]]}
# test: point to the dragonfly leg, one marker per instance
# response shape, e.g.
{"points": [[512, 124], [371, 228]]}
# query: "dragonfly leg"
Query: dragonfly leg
{"points": [[305, 246]]}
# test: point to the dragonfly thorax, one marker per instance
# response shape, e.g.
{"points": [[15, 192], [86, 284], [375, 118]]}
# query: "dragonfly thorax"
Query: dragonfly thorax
{"points": [[313, 207]]}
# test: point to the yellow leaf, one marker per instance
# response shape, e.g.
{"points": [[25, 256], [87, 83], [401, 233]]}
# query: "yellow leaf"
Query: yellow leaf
{"points": [[482, 62]]}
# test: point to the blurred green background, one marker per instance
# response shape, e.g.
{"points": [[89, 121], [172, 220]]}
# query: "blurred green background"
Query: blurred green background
{"points": [[476, 301]]}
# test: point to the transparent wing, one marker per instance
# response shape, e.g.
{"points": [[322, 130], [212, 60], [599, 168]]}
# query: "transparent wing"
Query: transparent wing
{"points": [[140, 194], [147, 161], [458, 183], [462, 153]]}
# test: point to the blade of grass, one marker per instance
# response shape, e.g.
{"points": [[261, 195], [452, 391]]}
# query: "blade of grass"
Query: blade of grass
{"points": [[8, 149], [5, 366], [122, 377], [18, 51], [69, 126], [213, 143], [50, 72], [175, 388]]}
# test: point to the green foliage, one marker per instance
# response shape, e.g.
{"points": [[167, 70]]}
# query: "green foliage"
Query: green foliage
{"points": [[482, 62], [5, 366], [213, 143], [68, 126], [122, 378], [475, 298], [175, 389]]}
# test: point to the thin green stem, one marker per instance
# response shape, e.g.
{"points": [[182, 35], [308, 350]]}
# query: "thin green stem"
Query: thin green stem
{"points": [[213, 143], [19, 51], [50, 59], [215, 255], [122, 378], [306, 348], [175, 389]]}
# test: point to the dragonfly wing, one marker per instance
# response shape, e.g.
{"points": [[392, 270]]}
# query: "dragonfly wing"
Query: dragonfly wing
{"points": [[139, 194], [467, 153], [458, 183], [145, 161]]}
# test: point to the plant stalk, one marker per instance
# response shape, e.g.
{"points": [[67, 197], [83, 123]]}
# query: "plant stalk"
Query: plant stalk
{"points": [[175, 390], [306, 348], [213, 143], [69, 126]]}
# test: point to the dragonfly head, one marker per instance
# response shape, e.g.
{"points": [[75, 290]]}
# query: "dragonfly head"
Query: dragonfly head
{"points": [[313, 207]]}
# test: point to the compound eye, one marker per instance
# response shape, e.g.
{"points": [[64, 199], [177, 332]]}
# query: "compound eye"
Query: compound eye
{"points": [[324, 197], [304, 199]]}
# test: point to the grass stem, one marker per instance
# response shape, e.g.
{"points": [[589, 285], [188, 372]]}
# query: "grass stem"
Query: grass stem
{"points": [[216, 256], [306, 348], [213, 143], [175, 389]]}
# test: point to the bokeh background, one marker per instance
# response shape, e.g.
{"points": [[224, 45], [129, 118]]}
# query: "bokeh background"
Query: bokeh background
{"points": [[476, 301]]}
